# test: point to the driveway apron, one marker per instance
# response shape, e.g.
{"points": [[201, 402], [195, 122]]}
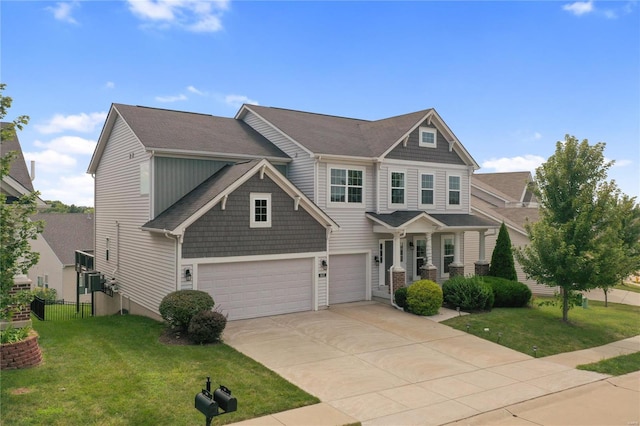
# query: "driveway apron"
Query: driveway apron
{"points": [[378, 365]]}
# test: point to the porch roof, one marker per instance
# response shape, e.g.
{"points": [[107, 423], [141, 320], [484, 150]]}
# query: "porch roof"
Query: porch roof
{"points": [[403, 219]]}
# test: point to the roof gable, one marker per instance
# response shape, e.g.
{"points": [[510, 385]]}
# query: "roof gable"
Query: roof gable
{"points": [[18, 170], [67, 232], [510, 185]]}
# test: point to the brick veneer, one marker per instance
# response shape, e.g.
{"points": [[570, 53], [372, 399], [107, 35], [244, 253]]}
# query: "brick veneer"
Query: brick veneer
{"points": [[455, 271], [399, 279], [25, 313], [482, 269], [21, 354], [429, 273]]}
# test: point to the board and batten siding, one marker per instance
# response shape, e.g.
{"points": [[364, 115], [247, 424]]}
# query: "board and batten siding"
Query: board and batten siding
{"points": [[175, 177], [301, 169], [144, 264]]}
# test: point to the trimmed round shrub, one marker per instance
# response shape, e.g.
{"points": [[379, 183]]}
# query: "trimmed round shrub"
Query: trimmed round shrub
{"points": [[508, 294], [468, 293], [401, 297], [424, 297], [207, 327], [177, 308]]}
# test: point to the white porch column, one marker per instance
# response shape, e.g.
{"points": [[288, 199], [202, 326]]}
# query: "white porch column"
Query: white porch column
{"points": [[397, 264], [456, 249], [429, 249], [481, 255]]}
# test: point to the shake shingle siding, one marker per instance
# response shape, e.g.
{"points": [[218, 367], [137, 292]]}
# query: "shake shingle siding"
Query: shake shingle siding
{"points": [[146, 267], [301, 170], [174, 177], [414, 152], [222, 233]]}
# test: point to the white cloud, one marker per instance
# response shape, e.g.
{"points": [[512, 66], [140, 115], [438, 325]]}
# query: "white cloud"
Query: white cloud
{"points": [[62, 11], [69, 145], [72, 189], [191, 15], [238, 100], [82, 122], [49, 160], [620, 163], [527, 162], [579, 7], [196, 91], [180, 97], [110, 85]]}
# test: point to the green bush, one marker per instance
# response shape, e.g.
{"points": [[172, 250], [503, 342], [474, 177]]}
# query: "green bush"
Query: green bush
{"points": [[424, 297], [46, 294], [507, 293], [207, 326], [502, 264], [468, 293], [401, 297], [179, 307]]}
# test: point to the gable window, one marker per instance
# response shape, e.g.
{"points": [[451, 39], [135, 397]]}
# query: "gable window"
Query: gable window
{"points": [[346, 186], [426, 189], [454, 190], [398, 184], [260, 210], [428, 137]]}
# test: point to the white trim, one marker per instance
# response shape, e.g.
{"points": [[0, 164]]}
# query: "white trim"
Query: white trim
{"points": [[346, 202], [423, 164], [422, 206], [253, 258], [259, 196], [449, 205], [389, 196], [431, 130]]}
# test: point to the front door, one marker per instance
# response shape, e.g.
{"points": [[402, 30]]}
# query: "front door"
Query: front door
{"points": [[386, 260], [421, 256]]}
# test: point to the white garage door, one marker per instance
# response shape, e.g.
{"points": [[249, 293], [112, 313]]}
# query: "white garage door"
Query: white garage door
{"points": [[258, 289], [347, 278]]}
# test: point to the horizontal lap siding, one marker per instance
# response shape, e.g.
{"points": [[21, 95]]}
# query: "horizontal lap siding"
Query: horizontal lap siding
{"points": [[146, 271]]}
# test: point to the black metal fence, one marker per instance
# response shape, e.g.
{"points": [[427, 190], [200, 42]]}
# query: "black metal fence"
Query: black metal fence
{"points": [[46, 310]]}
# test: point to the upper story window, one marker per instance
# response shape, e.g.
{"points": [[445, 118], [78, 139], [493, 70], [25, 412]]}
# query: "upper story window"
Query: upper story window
{"points": [[398, 188], [346, 186], [145, 183], [260, 210], [454, 190], [428, 137], [427, 187]]}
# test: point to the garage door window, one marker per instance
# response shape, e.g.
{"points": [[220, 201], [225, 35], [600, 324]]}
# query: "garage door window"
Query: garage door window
{"points": [[260, 210]]}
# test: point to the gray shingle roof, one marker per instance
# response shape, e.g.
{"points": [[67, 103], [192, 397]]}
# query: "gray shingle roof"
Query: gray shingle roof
{"points": [[326, 134], [397, 218], [67, 232], [188, 205], [18, 169], [512, 184], [401, 217], [184, 131]]}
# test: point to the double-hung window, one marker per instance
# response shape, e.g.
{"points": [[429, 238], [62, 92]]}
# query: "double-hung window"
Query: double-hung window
{"points": [[346, 186], [398, 188], [427, 187], [454, 190], [260, 208]]}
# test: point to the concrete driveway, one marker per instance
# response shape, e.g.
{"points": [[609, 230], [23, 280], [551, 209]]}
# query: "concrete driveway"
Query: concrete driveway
{"points": [[371, 363]]}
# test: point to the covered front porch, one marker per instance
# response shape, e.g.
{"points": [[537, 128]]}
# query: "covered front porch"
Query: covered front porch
{"points": [[415, 245]]}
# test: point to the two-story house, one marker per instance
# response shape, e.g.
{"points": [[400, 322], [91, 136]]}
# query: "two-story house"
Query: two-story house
{"points": [[276, 211]]}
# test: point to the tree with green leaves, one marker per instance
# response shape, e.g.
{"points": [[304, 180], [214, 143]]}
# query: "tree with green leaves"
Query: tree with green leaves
{"points": [[502, 264], [16, 228], [573, 227]]}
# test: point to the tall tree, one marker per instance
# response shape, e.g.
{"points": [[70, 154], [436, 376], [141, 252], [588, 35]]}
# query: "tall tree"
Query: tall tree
{"points": [[16, 229], [502, 264], [572, 192]]}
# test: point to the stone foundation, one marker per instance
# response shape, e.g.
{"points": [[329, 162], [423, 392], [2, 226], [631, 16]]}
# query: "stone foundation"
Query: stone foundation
{"points": [[399, 279], [21, 354], [455, 271], [482, 269], [429, 273]]}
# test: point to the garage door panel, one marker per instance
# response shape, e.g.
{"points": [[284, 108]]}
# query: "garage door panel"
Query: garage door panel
{"points": [[347, 278], [255, 289]]}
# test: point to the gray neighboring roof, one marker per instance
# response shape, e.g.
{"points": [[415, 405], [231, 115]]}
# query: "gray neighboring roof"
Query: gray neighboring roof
{"points": [[401, 217], [511, 184], [332, 135], [18, 169], [162, 129], [188, 205], [67, 232]]}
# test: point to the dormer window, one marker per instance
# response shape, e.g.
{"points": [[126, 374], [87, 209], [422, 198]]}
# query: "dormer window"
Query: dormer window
{"points": [[428, 137], [260, 207]]}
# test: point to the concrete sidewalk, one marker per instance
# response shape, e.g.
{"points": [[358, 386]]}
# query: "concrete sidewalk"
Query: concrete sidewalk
{"points": [[372, 364], [614, 296]]}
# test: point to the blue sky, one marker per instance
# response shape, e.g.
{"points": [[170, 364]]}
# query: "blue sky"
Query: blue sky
{"points": [[510, 78]]}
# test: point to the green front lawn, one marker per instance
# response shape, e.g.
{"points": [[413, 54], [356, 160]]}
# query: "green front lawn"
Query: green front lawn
{"points": [[616, 366], [113, 371], [524, 328]]}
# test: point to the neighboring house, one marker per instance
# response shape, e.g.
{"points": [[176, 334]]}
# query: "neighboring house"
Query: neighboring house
{"points": [[63, 234], [18, 182], [506, 197], [277, 211]]}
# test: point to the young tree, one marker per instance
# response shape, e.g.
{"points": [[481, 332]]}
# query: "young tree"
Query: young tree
{"points": [[571, 189], [16, 229], [502, 264]]}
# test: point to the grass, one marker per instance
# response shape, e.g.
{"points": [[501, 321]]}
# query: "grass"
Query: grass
{"points": [[542, 326], [616, 366], [66, 311], [114, 371], [628, 287]]}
